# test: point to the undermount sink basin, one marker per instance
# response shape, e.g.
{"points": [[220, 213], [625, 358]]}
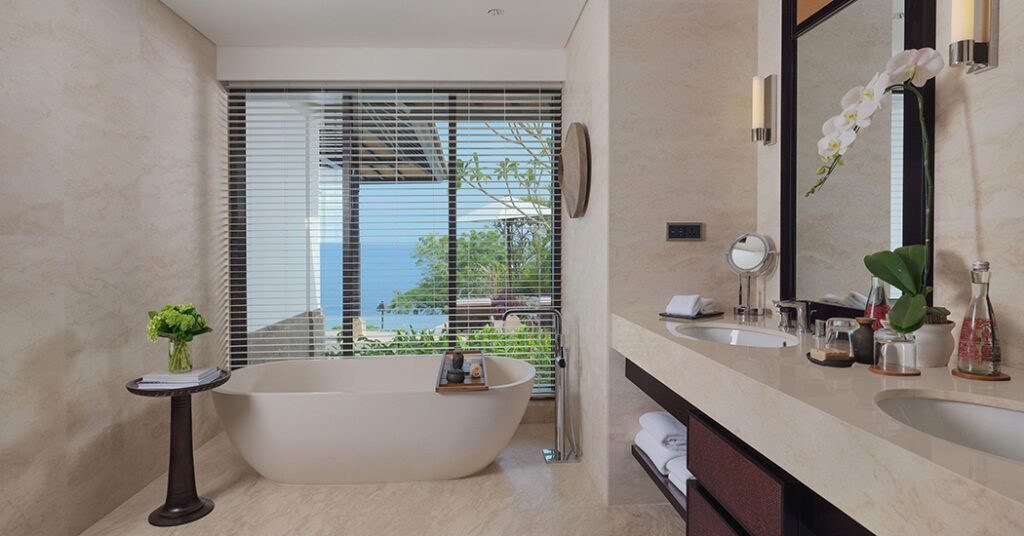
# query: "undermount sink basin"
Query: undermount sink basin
{"points": [[998, 431], [735, 336]]}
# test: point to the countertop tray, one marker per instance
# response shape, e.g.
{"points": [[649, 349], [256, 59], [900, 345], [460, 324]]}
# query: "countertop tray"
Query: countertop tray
{"points": [[470, 383]]}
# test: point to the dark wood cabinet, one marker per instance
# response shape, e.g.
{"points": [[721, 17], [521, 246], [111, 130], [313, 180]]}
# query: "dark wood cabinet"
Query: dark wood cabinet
{"points": [[754, 494], [736, 490], [707, 517]]}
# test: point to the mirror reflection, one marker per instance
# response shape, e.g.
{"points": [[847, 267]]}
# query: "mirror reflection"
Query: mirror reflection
{"points": [[860, 210], [749, 253]]}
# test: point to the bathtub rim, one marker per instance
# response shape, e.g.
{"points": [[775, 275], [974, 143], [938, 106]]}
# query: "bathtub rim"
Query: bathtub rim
{"points": [[224, 389]]}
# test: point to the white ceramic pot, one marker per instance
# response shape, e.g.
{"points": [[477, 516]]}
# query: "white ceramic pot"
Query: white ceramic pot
{"points": [[935, 344]]}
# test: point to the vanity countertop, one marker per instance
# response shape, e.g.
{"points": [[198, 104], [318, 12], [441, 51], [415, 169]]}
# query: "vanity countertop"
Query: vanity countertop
{"points": [[822, 426]]}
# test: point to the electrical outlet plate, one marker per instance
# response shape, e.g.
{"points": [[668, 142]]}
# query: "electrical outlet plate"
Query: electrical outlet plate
{"points": [[689, 231]]}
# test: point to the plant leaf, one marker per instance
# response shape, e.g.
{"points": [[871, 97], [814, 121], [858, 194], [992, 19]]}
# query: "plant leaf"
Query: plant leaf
{"points": [[907, 315], [889, 267], [938, 311], [152, 314], [914, 257]]}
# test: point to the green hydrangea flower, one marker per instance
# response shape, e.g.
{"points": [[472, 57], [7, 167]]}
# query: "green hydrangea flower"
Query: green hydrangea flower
{"points": [[179, 322]]}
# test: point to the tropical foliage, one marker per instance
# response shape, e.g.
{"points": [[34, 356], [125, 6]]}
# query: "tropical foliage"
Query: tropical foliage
{"points": [[530, 343], [512, 256]]}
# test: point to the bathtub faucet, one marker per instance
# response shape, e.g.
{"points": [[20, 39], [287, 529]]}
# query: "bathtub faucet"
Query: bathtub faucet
{"points": [[565, 450]]}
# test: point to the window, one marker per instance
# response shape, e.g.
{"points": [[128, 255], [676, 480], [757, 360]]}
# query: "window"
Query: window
{"points": [[377, 222]]}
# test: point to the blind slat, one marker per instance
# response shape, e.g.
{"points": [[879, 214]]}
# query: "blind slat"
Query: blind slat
{"points": [[438, 205]]}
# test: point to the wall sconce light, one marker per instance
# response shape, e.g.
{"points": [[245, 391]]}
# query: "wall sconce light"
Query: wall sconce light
{"points": [[974, 28], [762, 117]]}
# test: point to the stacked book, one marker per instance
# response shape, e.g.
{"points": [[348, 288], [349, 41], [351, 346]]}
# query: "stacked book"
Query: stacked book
{"points": [[179, 380]]}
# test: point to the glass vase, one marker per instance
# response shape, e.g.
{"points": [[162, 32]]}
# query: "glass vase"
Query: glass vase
{"points": [[180, 357], [878, 304], [978, 352]]}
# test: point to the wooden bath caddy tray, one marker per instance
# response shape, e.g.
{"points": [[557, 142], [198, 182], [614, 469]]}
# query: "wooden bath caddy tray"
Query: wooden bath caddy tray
{"points": [[470, 383]]}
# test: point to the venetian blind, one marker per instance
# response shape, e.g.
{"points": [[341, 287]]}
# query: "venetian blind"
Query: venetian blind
{"points": [[373, 221]]}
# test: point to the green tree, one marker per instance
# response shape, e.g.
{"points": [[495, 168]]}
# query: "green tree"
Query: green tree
{"points": [[482, 268], [512, 257]]}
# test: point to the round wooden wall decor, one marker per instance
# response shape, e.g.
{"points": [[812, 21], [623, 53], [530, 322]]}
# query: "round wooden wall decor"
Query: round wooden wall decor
{"points": [[574, 170]]}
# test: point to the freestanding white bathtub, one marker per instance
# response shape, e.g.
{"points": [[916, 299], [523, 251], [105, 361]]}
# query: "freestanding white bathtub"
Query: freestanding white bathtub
{"points": [[346, 421]]}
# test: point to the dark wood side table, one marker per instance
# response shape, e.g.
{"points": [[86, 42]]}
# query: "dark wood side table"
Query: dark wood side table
{"points": [[183, 504]]}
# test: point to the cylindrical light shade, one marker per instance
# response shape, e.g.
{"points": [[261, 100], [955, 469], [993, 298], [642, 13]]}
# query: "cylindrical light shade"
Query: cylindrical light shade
{"points": [[962, 21], [757, 100], [984, 31]]}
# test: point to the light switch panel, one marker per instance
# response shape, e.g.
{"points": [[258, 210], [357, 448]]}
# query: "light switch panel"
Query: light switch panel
{"points": [[685, 231]]}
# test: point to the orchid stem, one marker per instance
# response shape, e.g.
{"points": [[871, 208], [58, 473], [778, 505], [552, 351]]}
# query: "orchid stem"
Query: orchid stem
{"points": [[929, 191]]}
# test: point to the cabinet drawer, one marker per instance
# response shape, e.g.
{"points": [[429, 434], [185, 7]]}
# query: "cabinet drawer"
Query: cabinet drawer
{"points": [[706, 518], [749, 491]]}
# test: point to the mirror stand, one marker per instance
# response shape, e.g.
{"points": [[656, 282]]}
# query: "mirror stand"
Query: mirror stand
{"points": [[750, 256], [746, 306]]}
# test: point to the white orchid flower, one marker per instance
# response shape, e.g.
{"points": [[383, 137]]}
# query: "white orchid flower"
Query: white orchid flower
{"points": [[852, 97], [851, 115], [872, 96], [835, 143], [838, 124], [916, 65]]}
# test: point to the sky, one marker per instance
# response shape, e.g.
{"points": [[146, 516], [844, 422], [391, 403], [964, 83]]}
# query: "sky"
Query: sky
{"points": [[402, 213]]}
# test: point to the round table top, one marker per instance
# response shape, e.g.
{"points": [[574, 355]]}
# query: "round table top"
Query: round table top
{"points": [[133, 387]]}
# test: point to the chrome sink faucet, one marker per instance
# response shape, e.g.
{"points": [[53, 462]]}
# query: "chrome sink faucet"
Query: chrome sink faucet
{"points": [[801, 313]]}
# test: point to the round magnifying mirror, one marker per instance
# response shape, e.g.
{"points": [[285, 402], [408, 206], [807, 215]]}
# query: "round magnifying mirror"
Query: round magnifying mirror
{"points": [[750, 255]]}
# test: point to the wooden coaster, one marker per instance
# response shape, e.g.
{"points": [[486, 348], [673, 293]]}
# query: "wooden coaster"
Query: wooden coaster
{"points": [[884, 372], [981, 377]]}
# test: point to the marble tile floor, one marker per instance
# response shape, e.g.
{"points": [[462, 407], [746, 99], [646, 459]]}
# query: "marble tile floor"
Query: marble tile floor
{"points": [[517, 494]]}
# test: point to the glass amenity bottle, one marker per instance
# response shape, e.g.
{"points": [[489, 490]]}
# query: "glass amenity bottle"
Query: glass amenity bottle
{"points": [[878, 304], [978, 351]]}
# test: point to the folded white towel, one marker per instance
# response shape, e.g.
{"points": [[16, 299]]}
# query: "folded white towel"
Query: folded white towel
{"points": [[658, 453], [677, 467], [678, 474], [853, 300], [679, 479], [689, 305], [664, 428]]}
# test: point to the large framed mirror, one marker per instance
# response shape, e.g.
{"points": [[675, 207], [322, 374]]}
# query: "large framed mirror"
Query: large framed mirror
{"points": [[876, 200]]}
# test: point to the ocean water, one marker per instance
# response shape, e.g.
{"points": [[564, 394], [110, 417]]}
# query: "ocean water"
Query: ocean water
{"points": [[386, 268]]}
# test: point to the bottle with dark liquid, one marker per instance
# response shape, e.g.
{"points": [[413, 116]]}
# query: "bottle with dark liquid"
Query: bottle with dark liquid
{"points": [[878, 303], [978, 351]]}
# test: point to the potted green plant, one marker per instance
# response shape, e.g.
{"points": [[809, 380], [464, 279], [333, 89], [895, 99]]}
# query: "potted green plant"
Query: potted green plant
{"points": [[180, 324], [904, 268]]}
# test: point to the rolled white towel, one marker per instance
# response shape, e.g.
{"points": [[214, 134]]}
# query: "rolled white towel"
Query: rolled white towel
{"points": [[665, 429], [679, 481], [677, 467], [689, 305], [678, 474], [657, 452]]}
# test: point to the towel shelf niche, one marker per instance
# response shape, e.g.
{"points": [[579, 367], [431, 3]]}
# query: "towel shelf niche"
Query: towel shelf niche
{"points": [[799, 510]]}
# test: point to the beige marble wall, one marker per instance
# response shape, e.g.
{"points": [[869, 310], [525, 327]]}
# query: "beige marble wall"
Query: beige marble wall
{"points": [[585, 98], [680, 116], [109, 203], [669, 142], [979, 158], [769, 61], [977, 172]]}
